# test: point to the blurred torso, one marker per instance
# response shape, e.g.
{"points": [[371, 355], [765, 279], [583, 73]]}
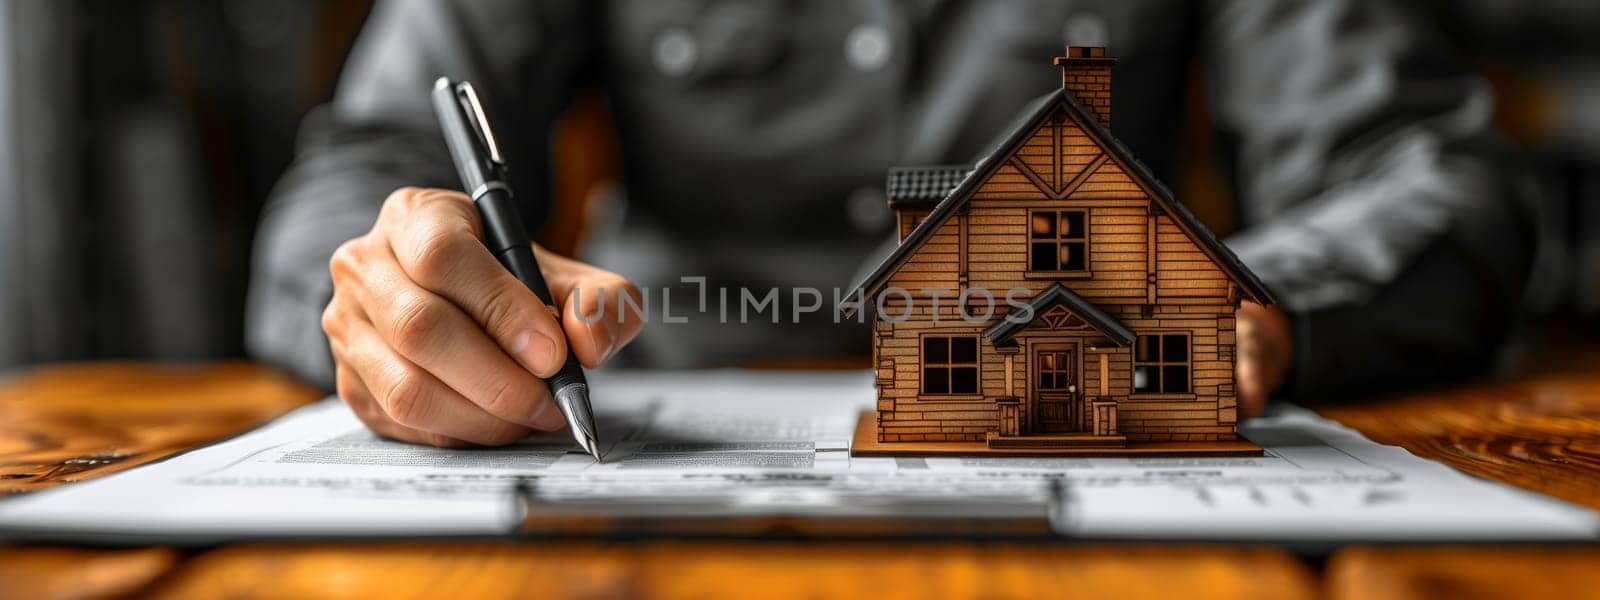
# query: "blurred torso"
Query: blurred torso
{"points": [[756, 136]]}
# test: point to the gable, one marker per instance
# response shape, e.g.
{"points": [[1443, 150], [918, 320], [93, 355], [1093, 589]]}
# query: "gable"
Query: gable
{"points": [[1059, 160], [1057, 296], [1060, 151], [1056, 156]]}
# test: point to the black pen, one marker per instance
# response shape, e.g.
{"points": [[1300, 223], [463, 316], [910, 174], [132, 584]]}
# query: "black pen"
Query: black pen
{"points": [[483, 176]]}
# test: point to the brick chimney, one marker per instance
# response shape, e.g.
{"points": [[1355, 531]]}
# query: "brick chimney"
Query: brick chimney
{"points": [[1086, 72]]}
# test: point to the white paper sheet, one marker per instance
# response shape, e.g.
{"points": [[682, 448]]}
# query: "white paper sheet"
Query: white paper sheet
{"points": [[743, 443]]}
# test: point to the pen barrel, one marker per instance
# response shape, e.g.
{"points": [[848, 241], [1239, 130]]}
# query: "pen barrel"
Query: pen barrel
{"points": [[506, 237], [519, 260], [503, 230]]}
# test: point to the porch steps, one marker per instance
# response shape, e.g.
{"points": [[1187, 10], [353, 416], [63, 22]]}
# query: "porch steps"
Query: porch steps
{"points": [[1056, 440]]}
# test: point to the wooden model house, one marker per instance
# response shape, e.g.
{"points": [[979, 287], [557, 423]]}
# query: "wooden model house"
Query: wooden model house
{"points": [[1127, 342]]}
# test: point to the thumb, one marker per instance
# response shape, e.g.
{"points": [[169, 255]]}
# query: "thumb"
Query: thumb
{"points": [[593, 313]]}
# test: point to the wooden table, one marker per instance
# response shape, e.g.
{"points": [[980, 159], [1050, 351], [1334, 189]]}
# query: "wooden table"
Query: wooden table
{"points": [[67, 423]]}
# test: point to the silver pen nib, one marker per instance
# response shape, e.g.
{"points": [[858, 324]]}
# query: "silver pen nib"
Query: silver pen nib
{"points": [[574, 402], [593, 446]]}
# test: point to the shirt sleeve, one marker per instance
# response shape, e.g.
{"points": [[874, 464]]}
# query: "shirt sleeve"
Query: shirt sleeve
{"points": [[379, 134], [1381, 207]]}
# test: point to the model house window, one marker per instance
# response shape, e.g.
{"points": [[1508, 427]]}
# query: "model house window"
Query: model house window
{"points": [[1055, 370], [1161, 364], [949, 364], [1058, 240]]}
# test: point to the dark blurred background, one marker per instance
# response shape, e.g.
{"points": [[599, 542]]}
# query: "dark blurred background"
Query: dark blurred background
{"points": [[138, 139], [168, 122]]}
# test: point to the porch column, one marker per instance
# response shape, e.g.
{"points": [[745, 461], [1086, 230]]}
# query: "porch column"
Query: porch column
{"points": [[1010, 380], [1105, 375], [1013, 415]]}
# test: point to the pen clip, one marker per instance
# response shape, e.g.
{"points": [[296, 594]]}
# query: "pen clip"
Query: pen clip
{"points": [[468, 98]]}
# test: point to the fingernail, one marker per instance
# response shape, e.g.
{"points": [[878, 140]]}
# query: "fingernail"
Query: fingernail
{"points": [[535, 350], [604, 341], [546, 417]]}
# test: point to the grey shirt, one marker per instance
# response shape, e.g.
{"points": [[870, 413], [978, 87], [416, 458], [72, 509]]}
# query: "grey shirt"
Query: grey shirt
{"points": [[1376, 199]]}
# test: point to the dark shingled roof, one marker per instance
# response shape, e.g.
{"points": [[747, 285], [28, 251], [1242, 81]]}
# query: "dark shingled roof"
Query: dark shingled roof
{"points": [[1113, 329], [1249, 284], [915, 185]]}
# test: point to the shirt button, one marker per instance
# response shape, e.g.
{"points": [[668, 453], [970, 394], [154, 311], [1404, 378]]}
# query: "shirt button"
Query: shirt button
{"points": [[676, 52], [867, 210], [867, 47], [1086, 29]]}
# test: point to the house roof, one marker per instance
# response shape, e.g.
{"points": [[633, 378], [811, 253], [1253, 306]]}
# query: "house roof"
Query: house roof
{"points": [[1055, 295], [918, 185], [1035, 114]]}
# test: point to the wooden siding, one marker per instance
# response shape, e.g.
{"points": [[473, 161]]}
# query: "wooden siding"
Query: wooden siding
{"points": [[903, 410], [909, 218], [1182, 269], [935, 264], [1077, 151], [1038, 154], [1205, 411], [1008, 183], [1110, 182]]}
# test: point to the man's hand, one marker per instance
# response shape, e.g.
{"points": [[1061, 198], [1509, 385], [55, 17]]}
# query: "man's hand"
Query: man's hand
{"points": [[1265, 351], [436, 343]]}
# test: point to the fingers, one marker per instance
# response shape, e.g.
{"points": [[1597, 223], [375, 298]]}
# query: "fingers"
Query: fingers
{"points": [[354, 393], [1252, 393], [435, 342], [439, 247], [413, 399], [1264, 353], [590, 299], [337, 320], [1252, 387], [435, 336]]}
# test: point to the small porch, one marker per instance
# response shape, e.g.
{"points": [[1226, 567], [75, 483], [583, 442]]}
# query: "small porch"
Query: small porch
{"points": [[1102, 431], [1066, 336]]}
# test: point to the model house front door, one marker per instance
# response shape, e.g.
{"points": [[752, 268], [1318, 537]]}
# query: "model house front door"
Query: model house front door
{"points": [[1055, 388]]}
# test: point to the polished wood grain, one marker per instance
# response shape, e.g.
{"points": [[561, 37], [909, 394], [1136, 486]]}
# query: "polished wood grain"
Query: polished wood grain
{"points": [[739, 570], [1463, 573], [74, 422], [55, 572], [1542, 434]]}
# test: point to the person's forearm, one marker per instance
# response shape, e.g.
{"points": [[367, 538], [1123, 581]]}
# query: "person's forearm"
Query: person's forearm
{"points": [[1381, 207], [1433, 326], [1422, 289]]}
